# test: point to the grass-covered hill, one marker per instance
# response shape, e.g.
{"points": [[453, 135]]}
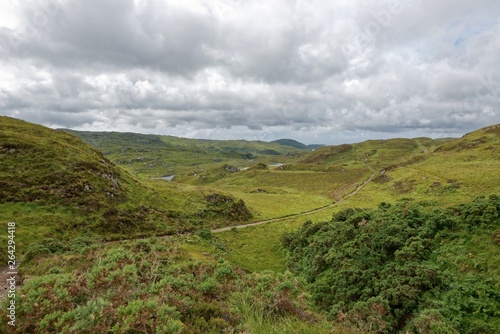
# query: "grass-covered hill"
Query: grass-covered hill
{"points": [[454, 172], [156, 155], [374, 152], [484, 140], [296, 144], [446, 170], [44, 166], [56, 185]]}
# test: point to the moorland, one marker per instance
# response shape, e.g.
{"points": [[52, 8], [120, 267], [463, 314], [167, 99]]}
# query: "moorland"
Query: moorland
{"points": [[133, 233]]}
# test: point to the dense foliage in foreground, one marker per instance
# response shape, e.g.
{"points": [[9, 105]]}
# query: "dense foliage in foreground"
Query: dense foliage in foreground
{"points": [[405, 268], [152, 286]]}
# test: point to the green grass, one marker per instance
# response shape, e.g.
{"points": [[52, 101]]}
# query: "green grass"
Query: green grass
{"points": [[156, 156], [268, 206], [54, 185], [257, 321], [259, 248]]}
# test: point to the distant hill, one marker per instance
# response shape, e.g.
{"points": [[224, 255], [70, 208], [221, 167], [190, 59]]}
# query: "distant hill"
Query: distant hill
{"points": [[486, 139], [159, 155], [296, 144], [387, 151]]}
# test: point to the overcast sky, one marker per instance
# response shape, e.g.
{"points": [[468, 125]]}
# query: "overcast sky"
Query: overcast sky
{"points": [[314, 70]]}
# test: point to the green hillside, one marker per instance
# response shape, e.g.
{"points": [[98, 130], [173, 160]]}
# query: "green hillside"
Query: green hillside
{"points": [[44, 166], [454, 172], [383, 236], [55, 184], [156, 156], [374, 152]]}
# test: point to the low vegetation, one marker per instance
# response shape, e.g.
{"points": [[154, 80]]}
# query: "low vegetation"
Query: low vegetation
{"points": [[108, 245], [153, 286]]}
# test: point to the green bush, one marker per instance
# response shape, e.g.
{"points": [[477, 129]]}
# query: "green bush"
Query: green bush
{"points": [[380, 268]]}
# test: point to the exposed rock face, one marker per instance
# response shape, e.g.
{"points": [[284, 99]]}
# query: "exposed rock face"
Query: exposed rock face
{"points": [[231, 169]]}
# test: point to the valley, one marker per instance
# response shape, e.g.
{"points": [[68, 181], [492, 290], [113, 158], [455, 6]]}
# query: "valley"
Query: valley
{"points": [[131, 233]]}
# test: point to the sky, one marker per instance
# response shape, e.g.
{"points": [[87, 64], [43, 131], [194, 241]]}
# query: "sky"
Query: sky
{"points": [[317, 71]]}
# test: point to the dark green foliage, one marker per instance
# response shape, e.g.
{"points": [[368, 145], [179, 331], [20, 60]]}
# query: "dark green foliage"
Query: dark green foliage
{"points": [[205, 234], [151, 286], [482, 212], [269, 152], [226, 206], [390, 269], [51, 246]]}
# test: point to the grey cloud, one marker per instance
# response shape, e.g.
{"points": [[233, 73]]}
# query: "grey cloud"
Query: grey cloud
{"points": [[301, 67], [123, 35]]}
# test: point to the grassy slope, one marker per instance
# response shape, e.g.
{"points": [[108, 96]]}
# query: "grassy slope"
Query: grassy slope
{"points": [[446, 172], [454, 172], [156, 156], [49, 180], [55, 185]]}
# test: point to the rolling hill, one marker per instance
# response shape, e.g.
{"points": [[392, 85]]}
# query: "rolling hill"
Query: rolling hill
{"points": [[296, 144], [413, 250], [58, 185], [155, 155], [44, 166]]}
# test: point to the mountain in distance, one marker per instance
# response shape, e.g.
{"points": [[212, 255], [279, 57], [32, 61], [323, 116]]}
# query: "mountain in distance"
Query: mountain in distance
{"points": [[296, 144]]}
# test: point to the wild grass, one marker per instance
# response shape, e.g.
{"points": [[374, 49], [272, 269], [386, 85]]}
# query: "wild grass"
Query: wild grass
{"points": [[170, 285], [257, 321]]}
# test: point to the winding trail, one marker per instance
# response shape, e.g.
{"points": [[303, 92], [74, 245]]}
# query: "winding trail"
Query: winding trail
{"points": [[4, 269], [354, 192]]}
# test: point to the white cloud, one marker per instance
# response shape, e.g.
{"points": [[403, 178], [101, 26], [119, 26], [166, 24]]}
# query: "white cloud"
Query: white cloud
{"points": [[307, 69]]}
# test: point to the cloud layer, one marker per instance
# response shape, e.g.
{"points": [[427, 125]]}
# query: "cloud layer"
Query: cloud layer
{"points": [[308, 69]]}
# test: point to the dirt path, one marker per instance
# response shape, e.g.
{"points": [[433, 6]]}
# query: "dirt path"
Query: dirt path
{"points": [[354, 192], [5, 271]]}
